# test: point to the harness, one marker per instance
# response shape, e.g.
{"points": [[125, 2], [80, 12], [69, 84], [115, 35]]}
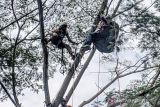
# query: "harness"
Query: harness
{"points": [[61, 34]]}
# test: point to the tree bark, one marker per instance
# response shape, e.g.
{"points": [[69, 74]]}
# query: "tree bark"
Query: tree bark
{"points": [[68, 96]]}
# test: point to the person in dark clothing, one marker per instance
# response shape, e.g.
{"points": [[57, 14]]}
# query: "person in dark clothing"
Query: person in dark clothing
{"points": [[57, 36], [106, 32]]}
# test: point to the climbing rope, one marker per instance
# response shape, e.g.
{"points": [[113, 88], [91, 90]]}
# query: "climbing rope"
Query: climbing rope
{"points": [[98, 77], [117, 59]]}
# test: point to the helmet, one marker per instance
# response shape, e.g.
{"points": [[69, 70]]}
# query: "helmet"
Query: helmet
{"points": [[63, 26]]}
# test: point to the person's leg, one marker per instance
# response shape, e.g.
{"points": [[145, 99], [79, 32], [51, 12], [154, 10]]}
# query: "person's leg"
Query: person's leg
{"points": [[88, 41], [69, 50], [90, 37]]}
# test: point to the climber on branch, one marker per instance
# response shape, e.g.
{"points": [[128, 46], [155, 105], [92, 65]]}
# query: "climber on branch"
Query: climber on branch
{"points": [[104, 37], [57, 36]]}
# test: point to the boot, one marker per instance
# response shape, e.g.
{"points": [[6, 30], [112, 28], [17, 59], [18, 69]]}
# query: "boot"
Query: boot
{"points": [[86, 47]]}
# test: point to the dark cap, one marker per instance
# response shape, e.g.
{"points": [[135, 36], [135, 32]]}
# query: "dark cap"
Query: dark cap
{"points": [[63, 26]]}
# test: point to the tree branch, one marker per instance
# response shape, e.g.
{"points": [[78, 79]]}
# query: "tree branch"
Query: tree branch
{"points": [[14, 57], [20, 18], [4, 88], [45, 54], [17, 19], [111, 82], [107, 8], [156, 77], [127, 9], [116, 9]]}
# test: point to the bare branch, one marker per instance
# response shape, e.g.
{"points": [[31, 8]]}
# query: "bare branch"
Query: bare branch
{"points": [[4, 88], [148, 100], [111, 82], [116, 9], [14, 57], [14, 14], [20, 18], [156, 77], [107, 9], [128, 8]]}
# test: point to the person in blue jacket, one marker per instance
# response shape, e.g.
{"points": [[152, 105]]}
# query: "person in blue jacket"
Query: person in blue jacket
{"points": [[104, 37]]}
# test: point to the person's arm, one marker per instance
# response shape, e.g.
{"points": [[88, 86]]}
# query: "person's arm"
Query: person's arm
{"points": [[69, 39], [51, 35]]}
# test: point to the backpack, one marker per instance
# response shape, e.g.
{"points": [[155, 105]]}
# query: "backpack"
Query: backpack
{"points": [[108, 38]]}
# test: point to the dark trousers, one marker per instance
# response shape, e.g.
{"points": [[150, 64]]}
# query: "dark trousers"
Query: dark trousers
{"points": [[90, 38]]}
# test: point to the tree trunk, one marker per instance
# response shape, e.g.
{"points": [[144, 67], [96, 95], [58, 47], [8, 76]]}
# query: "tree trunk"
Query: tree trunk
{"points": [[68, 96], [45, 55], [67, 80]]}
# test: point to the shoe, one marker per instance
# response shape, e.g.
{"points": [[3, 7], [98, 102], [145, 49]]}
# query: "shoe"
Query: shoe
{"points": [[86, 47]]}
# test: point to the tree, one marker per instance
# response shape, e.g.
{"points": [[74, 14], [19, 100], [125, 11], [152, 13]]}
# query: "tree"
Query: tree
{"points": [[21, 58]]}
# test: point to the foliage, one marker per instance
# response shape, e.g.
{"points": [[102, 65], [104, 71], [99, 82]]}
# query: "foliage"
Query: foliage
{"points": [[20, 33]]}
